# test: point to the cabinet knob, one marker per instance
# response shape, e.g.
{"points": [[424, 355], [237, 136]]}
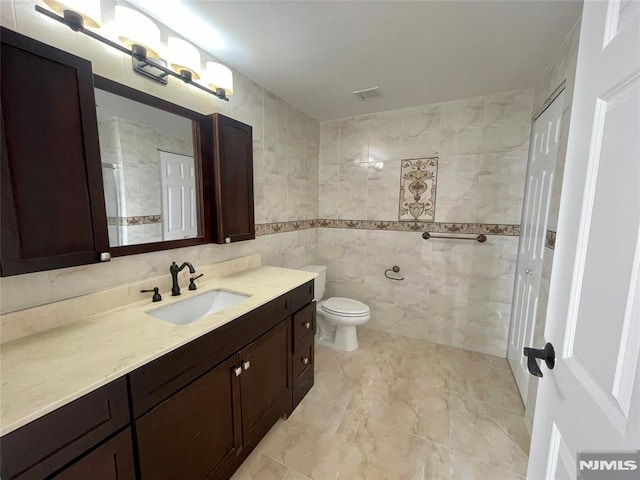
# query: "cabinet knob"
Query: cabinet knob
{"points": [[227, 240], [237, 371], [307, 324], [305, 360], [246, 365]]}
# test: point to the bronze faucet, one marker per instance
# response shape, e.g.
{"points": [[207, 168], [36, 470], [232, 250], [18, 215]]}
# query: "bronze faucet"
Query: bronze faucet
{"points": [[174, 270]]}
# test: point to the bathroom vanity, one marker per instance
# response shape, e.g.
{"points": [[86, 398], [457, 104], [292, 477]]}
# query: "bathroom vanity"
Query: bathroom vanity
{"points": [[191, 405], [97, 388]]}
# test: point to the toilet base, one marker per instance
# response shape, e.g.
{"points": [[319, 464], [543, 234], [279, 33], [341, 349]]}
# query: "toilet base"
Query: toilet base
{"points": [[342, 338], [346, 338]]}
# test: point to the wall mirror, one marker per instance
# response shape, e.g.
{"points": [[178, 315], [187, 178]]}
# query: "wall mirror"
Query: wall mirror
{"points": [[151, 170]]}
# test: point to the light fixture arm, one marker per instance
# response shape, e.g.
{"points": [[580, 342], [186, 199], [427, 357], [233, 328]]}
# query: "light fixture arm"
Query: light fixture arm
{"points": [[139, 53]]}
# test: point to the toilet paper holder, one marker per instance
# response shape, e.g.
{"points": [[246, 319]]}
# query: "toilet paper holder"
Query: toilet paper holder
{"points": [[394, 269]]}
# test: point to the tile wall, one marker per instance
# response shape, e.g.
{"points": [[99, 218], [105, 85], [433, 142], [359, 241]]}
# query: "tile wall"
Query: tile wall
{"points": [[286, 146], [454, 292]]}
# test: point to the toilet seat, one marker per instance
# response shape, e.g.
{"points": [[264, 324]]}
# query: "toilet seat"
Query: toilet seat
{"points": [[345, 307]]}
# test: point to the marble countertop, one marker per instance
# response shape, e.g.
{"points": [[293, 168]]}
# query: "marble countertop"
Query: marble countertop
{"points": [[43, 372]]}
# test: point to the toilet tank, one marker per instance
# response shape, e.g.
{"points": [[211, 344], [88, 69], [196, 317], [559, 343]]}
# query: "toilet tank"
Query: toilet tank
{"points": [[319, 281]]}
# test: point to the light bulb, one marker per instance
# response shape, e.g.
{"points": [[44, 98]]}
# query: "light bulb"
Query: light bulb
{"points": [[133, 28], [219, 76], [89, 10], [184, 56]]}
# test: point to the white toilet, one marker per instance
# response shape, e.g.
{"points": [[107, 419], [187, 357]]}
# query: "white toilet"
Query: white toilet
{"points": [[337, 316]]}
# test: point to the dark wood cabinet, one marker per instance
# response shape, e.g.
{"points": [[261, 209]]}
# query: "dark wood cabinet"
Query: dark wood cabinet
{"points": [[161, 378], [198, 432], [303, 346], [40, 448], [195, 434], [193, 414], [111, 461], [232, 208], [265, 383], [53, 211]]}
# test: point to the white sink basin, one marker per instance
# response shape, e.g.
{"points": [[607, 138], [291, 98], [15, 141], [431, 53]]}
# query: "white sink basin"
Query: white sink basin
{"points": [[194, 308]]}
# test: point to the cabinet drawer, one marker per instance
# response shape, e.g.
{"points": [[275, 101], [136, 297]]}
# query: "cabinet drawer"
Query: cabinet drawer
{"points": [[302, 386], [111, 461], [47, 444], [160, 379], [303, 358], [302, 296], [304, 322]]}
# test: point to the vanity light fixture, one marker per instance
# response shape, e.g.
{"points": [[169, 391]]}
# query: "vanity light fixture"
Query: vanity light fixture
{"points": [[142, 36], [140, 43]]}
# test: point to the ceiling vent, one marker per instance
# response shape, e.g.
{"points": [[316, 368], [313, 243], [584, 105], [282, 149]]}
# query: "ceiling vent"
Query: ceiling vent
{"points": [[368, 93]]}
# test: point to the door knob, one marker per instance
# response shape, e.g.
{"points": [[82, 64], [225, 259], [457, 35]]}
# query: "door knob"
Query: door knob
{"points": [[527, 271], [548, 354]]}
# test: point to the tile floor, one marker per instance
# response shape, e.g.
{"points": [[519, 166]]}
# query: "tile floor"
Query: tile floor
{"points": [[399, 408]]}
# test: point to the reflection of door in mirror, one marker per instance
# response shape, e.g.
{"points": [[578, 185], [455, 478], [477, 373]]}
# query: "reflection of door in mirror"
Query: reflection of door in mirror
{"points": [[180, 219], [145, 203]]}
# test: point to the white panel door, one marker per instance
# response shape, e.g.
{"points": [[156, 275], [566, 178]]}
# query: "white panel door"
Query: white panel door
{"points": [[179, 214], [543, 152], [590, 401]]}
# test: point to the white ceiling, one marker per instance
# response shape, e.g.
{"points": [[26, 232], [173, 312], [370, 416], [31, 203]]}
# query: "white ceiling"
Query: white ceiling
{"points": [[314, 54]]}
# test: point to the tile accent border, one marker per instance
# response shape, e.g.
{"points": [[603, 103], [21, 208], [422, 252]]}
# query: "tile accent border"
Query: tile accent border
{"points": [[435, 227], [138, 220], [550, 240], [282, 227]]}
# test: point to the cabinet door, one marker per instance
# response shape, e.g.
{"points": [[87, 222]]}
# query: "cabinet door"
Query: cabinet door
{"points": [[47, 444], [196, 433], [233, 173], [265, 382], [53, 212], [111, 461]]}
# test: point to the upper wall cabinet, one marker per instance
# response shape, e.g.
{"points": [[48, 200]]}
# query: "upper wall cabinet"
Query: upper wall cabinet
{"points": [[53, 211], [232, 210]]}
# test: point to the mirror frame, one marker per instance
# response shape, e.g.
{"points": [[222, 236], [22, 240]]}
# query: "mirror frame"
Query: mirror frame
{"points": [[203, 161]]}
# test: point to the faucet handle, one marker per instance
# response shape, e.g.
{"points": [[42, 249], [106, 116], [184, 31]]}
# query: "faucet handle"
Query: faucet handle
{"points": [[192, 280], [156, 294]]}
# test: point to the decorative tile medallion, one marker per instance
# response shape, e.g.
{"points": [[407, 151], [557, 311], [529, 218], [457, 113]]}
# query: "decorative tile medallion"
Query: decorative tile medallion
{"points": [[418, 178], [550, 240]]}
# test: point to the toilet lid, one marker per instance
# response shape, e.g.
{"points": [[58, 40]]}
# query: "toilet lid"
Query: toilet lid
{"points": [[345, 306]]}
